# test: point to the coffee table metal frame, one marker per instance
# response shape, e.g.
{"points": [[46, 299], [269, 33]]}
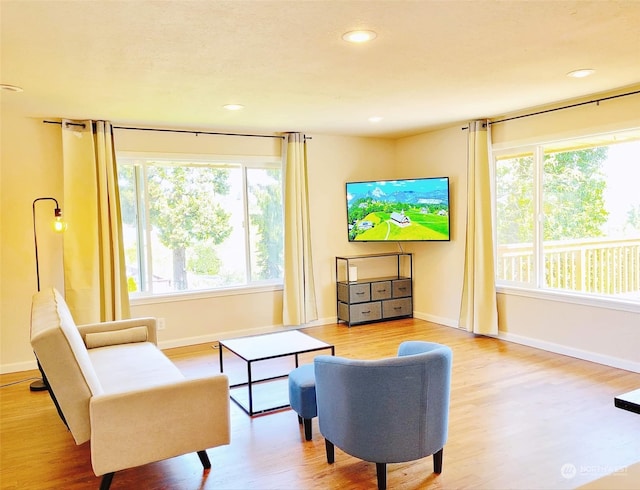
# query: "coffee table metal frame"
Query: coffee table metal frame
{"points": [[253, 349]]}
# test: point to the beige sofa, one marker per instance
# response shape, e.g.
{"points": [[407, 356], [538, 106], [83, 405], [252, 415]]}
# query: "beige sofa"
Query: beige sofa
{"points": [[114, 387]]}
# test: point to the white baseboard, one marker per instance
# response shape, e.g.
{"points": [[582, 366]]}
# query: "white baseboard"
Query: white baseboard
{"points": [[214, 337], [447, 322], [16, 367], [615, 362]]}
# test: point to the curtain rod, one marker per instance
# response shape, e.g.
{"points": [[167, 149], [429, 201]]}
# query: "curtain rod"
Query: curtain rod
{"points": [[594, 101], [187, 131]]}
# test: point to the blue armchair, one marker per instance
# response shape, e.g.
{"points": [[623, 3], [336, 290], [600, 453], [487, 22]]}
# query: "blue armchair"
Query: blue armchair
{"points": [[389, 410]]}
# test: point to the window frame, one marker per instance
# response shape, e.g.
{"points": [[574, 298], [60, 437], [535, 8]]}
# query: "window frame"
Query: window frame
{"points": [[536, 289], [244, 162]]}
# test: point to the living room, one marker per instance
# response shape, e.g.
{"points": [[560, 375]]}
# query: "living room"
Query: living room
{"points": [[32, 167]]}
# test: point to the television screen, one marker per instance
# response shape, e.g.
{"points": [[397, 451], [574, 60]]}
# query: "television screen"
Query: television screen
{"points": [[398, 210]]}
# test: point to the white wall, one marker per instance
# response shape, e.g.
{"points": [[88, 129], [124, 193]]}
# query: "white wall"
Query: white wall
{"points": [[334, 160], [438, 266], [30, 165]]}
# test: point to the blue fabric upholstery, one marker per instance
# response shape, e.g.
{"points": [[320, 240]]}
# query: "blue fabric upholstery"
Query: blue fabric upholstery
{"points": [[302, 391], [388, 410]]}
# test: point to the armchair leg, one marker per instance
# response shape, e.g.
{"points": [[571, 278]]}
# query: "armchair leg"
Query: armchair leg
{"points": [[106, 481], [307, 429], [381, 473], [437, 461], [330, 451], [204, 459]]}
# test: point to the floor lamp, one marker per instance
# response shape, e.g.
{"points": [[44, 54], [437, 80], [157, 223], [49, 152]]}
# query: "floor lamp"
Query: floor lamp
{"points": [[58, 226]]}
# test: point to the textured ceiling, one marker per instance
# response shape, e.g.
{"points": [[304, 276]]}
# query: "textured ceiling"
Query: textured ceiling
{"points": [[434, 63]]}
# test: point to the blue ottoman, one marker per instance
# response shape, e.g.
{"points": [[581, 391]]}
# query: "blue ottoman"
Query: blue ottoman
{"points": [[302, 396]]}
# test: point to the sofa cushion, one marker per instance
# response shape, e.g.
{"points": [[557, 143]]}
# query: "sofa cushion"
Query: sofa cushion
{"points": [[115, 337], [130, 367]]}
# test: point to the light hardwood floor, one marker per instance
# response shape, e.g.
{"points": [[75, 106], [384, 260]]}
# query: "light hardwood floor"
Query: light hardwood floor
{"points": [[518, 417]]}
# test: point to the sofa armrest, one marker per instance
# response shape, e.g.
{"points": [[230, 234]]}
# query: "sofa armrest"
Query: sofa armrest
{"points": [[135, 428], [115, 325]]}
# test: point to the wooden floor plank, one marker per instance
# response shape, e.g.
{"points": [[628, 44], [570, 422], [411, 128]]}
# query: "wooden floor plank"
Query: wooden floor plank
{"points": [[520, 418]]}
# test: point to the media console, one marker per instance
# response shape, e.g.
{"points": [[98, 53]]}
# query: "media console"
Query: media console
{"points": [[374, 297]]}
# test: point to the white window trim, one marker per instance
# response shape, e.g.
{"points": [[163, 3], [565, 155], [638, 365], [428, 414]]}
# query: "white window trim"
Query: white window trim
{"points": [[152, 299], [246, 161], [537, 291], [570, 298]]}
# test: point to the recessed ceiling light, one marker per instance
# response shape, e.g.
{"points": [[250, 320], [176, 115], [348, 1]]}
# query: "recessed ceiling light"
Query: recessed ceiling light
{"points": [[234, 107], [359, 36], [10, 88], [375, 119], [583, 72]]}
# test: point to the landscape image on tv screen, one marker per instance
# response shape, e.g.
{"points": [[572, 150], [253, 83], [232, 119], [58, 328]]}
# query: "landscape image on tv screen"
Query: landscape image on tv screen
{"points": [[398, 210]]}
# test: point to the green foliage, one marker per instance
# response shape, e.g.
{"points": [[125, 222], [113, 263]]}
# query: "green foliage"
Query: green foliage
{"points": [[633, 218], [268, 223], [573, 202], [204, 260], [184, 211], [514, 200], [426, 222], [127, 190], [573, 194]]}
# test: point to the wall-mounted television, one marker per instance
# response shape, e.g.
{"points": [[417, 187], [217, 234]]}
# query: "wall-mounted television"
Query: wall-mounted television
{"points": [[403, 210]]}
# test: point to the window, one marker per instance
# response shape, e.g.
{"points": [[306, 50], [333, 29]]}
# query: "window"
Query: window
{"points": [[568, 216], [200, 225]]}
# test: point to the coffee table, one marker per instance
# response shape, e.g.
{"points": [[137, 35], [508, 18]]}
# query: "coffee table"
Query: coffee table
{"points": [[629, 401], [261, 348]]}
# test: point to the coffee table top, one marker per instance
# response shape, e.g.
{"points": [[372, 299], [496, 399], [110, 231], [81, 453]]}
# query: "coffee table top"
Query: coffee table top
{"points": [[629, 401], [259, 347]]}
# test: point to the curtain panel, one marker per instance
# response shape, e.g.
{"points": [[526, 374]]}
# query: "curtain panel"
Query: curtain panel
{"points": [[299, 299], [479, 310], [94, 266]]}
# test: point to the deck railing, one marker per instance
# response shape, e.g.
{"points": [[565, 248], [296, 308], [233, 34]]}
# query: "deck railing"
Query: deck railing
{"points": [[599, 265]]}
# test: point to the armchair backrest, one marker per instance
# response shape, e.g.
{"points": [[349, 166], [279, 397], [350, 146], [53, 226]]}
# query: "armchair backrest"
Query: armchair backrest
{"points": [[387, 410]]}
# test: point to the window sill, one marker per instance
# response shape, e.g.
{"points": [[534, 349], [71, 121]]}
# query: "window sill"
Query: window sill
{"points": [[572, 298], [205, 294]]}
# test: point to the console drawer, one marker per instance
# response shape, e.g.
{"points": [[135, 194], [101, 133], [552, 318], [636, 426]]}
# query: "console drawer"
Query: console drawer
{"points": [[401, 288], [360, 312], [380, 290], [354, 293], [397, 307]]}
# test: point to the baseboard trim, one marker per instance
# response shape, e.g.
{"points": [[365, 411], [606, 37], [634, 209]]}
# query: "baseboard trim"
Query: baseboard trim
{"points": [[611, 361], [229, 334], [584, 355], [17, 367], [447, 322]]}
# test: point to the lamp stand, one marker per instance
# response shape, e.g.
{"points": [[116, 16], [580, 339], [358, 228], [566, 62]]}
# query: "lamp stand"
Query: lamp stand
{"points": [[40, 384]]}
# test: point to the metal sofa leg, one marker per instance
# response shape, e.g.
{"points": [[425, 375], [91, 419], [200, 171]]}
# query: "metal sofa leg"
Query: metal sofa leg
{"points": [[204, 459], [381, 473], [437, 461], [106, 481]]}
